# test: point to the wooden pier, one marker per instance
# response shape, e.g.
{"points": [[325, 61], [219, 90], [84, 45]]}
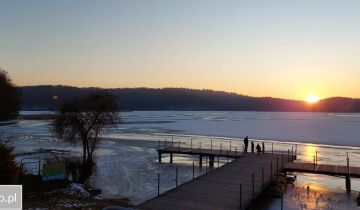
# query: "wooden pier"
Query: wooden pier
{"points": [[236, 184], [331, 170], [232, 186], [210, 153]]}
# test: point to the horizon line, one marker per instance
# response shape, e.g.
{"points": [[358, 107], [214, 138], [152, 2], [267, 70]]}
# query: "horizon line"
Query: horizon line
{"points": [[204, 89]]}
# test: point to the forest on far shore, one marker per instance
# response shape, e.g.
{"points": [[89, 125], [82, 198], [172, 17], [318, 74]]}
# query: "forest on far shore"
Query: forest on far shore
{"points": [[131, 99]]}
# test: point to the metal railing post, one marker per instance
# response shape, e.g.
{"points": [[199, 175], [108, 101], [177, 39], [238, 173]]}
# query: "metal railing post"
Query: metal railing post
{"points": [[176, 178], [158, 184], [240, 195], [277, 166], [314, 163], [253, 185], [288, 155], [348, 162], [193, 170], [262, 177]]}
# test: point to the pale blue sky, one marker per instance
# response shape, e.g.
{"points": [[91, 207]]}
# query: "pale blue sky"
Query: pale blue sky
{"points": [[263, 48]]}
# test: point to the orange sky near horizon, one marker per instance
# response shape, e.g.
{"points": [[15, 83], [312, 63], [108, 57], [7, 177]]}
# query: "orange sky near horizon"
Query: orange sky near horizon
{"points": [[283, 49]]}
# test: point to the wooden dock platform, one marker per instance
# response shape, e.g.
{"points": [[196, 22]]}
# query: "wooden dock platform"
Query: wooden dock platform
{"points": [[332, 170], [210, 153], [232, 186], [236, 184]]}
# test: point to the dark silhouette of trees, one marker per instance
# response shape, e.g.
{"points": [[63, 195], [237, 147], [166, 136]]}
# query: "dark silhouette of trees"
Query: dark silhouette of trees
{"points": [[9, 98], [8, 169], [41, 98], [84, 119]]}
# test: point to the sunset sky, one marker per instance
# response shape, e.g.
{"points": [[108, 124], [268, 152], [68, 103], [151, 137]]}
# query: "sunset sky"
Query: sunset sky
{"points": [[286, 49]]}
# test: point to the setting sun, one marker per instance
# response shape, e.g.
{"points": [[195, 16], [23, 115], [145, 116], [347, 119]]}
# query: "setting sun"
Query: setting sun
{"points": [[312, 98]]}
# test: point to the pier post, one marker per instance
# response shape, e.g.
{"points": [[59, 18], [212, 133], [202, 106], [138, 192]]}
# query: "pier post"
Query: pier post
{"points": [[159, 153], [211, 161], [191, 143], [230, 145], [193, 170], [206, 164], [348, 184], [171, 157], [200, 161], [292, 153], [39, 167], [347, 180], [282, 160]]}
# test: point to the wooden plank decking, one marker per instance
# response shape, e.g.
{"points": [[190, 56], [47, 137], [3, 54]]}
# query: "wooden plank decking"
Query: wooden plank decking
{"points": [[220, 188]]}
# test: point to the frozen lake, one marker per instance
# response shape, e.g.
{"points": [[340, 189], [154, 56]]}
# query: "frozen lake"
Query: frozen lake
{"points": [[127, 158]]}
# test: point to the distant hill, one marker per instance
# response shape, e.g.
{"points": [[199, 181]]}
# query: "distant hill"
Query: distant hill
{"points": [[50, 97]]}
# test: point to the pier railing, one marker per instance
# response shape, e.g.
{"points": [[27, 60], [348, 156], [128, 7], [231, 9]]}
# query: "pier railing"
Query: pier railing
{"points": [[227, 144]]}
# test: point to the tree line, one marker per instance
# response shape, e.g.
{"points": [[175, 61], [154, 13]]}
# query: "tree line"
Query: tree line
{"points": [[50, 97]]}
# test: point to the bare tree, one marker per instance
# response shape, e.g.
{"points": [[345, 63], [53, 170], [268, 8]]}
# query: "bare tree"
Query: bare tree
{"points": [[84, 120]]}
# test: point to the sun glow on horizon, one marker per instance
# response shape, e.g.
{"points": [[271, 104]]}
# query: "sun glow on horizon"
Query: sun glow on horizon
{"points": [[311, 98]]}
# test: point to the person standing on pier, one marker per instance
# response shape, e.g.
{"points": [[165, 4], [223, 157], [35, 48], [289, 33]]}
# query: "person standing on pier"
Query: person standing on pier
{"points": [[258, 149], [246, 142], [263, 147], [252, 147]]}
